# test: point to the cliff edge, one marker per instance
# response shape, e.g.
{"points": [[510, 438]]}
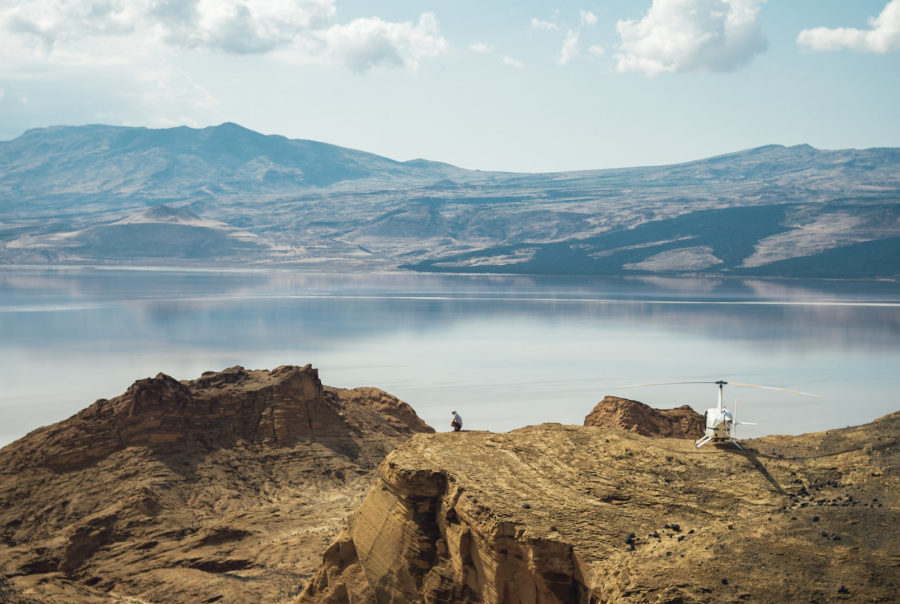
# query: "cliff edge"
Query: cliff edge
{"points": [[223, 488], [559, 514]]}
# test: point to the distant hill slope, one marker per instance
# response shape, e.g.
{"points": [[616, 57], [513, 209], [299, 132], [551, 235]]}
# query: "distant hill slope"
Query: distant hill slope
{"points": [[223, 488], [56, 165], [159, 233], [769, 211]]}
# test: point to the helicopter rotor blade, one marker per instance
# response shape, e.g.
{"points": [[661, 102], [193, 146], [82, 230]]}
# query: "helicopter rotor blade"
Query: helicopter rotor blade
{"points": [[662, 384], [734, 422], [775, 388]]}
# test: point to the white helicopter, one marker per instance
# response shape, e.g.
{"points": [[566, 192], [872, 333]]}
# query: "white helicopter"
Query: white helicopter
{"points": [[719, 423]]}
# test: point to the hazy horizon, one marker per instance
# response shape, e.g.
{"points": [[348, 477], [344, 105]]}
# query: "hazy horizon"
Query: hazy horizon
{"points": [[524, 88], [484, 169]]}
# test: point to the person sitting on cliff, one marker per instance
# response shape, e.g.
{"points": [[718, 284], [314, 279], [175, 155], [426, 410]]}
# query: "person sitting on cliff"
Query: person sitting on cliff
{"points": [[456, 424]]}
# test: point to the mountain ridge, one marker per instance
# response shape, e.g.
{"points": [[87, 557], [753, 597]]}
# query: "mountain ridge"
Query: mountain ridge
{"points": [[314, 205], [235, 127]]}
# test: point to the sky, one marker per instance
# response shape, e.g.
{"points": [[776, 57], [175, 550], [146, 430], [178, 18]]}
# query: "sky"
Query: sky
{"points": [[522, 86]]}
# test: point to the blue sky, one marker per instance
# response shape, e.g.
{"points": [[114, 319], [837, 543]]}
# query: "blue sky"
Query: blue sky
{"points": [[530, 86]]}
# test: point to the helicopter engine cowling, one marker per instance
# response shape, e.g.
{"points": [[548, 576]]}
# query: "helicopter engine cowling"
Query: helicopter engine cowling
{"points": [[718, 423]]}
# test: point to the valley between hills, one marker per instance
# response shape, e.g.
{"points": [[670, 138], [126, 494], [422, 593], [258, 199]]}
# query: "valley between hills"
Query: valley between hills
{"points": [[268, 486]]}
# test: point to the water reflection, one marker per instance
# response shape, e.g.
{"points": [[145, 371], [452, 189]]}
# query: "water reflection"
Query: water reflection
{"points": [[520, 349], [266, 320]]}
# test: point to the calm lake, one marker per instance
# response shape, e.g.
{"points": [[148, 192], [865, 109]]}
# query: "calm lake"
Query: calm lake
{"points": [[505, 351]]}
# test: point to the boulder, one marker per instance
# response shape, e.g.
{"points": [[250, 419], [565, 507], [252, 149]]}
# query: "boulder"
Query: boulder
{"points": [[626, 414]]}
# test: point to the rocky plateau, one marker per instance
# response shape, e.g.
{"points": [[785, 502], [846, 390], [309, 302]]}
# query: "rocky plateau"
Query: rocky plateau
{"points": [[553, 513], [226, 488], [266, 486]]}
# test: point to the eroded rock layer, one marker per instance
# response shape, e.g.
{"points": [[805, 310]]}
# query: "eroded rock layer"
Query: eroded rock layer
{"points": [[224, 488], [554, 514], [626, 414]]}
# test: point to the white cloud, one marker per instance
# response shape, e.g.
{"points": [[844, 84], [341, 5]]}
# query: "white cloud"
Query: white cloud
{"points": [[119, 61], [569, 48], [596, 50], [367, 42], [513, 62], [47, 23], [165, 92], [691, 35], [542, 25], [239, 26], [481, 47], [234, 26], [883, 35], [151, 92], [118, 31]]}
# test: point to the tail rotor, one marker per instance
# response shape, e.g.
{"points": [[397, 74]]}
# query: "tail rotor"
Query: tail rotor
{"points": [[735, 423]]}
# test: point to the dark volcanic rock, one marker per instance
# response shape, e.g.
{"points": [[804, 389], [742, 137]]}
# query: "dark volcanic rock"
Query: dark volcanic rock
{"points": [[625, 414]]}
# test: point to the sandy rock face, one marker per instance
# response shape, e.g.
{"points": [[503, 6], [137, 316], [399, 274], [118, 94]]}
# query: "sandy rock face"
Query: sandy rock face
{"points": [[224, 488], [626, 414], [558, 514]]}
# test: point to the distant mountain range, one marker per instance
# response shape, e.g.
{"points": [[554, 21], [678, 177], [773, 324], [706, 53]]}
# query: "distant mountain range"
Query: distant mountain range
{"points": [[225, 195]]}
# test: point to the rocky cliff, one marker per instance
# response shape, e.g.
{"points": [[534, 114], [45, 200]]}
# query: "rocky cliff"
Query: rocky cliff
{"points": [[552, 514], [625, 414], [224, 488]]}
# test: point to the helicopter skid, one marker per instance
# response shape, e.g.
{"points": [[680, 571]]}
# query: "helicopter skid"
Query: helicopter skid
{"points": [[706, 439], [702, 441]]}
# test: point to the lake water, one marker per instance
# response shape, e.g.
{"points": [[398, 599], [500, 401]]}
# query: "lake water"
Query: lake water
{"points": [[506, 351]]}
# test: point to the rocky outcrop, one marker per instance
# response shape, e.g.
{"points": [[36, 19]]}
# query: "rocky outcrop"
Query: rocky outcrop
{"points": [[625, 414], [554, 514], [219, 410], [224, 488]]}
